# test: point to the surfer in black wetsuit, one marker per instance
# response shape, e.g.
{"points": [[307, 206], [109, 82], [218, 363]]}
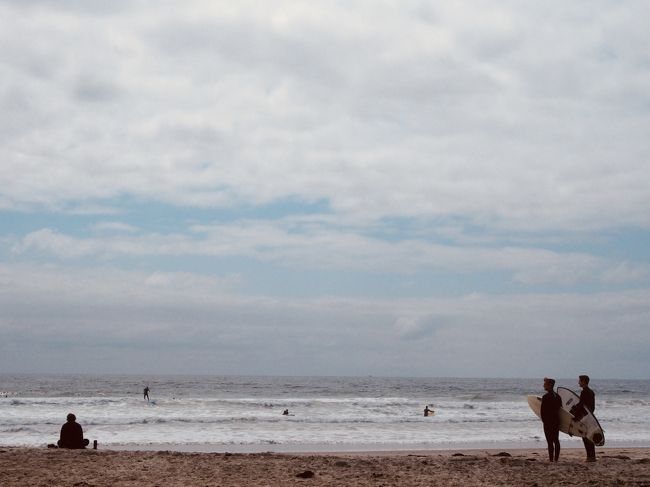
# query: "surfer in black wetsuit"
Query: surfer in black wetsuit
{"points": [[550, 414], [427, 411], [72, 434], [146, 393], [588, 401]]}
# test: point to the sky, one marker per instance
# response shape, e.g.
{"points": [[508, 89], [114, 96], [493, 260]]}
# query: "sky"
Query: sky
{"points": [[388, 188]]}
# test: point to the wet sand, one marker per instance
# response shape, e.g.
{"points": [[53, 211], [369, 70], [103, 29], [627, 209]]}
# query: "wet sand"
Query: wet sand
{"points": [[54, 467]]}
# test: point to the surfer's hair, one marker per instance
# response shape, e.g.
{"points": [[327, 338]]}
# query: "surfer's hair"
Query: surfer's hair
{"points": [[584, 378], [550, 381]]}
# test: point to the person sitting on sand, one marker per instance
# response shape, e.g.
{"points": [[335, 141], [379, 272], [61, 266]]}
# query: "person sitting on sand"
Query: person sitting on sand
{"points": [[72, 435], [427, 411]]}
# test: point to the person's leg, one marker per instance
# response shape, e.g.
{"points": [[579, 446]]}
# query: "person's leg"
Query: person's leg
{"points": [[590, 448], [556, 442], [548, 433]]}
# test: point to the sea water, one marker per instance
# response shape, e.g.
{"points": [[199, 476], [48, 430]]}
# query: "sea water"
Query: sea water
{"points": [[213, 413]]}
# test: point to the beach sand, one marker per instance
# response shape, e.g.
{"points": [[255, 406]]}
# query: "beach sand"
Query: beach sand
{"points": [[83, 468]]}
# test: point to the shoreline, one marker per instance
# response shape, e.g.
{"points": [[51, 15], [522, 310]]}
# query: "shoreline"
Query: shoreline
{"points": [[359, 448], [347, 448], [516, 467]]}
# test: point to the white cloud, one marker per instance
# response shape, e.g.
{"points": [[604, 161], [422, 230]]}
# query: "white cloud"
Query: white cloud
{"points": [[460, 139], [441, 110], [314, 247], [110, 319]]}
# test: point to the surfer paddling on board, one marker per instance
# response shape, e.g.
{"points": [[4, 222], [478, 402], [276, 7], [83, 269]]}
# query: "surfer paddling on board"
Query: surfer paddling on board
{"points": [[588, 402], [550, 414]]}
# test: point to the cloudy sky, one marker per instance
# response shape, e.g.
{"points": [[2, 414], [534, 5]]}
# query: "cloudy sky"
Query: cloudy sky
{"points": [[401, 188]]}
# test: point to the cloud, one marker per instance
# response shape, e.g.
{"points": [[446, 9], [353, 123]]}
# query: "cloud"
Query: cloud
{"points": [[95, 90], [312, 247], [429, 150], [380, 112], [121, 316], [418, 327]]}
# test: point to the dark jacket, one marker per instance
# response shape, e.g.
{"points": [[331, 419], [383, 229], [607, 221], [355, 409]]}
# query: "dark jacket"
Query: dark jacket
{"points": [[588, 399], [72, 436], [550, 410]]}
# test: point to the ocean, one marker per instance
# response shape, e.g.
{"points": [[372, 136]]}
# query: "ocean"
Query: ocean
{"points": [[228, 413]]}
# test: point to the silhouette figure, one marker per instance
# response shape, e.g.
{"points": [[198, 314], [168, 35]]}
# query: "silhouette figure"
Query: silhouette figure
{"points": [[550, 413], [72, 435]]}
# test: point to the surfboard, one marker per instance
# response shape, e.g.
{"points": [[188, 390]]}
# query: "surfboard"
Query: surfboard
{"points": [[566, 419], [582, 416], [568, 424]]}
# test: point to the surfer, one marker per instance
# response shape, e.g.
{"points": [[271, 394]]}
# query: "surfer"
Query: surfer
{"points": [[587, 401], [72, 434], [146, 393], [285, 412], [427, 411], [550, 414]]}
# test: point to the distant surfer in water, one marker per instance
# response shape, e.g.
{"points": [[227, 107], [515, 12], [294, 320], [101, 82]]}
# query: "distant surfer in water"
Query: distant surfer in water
{"points": [[588, 401], [427, 411], [550, 414], [146, 393], [285, 412]]}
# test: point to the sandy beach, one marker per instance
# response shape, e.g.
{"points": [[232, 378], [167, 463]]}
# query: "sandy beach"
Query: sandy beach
{"points": [[48, 467]]}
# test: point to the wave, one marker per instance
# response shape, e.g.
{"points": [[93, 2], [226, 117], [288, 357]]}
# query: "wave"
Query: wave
{"points": [[66, 401], [388, 421], [17, 429]]}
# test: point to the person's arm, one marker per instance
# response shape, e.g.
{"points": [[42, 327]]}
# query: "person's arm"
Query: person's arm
{"points": [[67, 436], [590, 400], [543, 410], [581, 402], [587, 400], [78, 438], [580, 410]]}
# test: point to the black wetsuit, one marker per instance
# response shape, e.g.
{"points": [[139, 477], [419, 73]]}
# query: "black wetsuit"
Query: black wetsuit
{"points": [[588, 400], [550, 413], [72, 436]]}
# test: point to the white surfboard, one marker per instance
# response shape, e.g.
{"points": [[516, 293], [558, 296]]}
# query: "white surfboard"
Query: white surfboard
{"points": [[568, 424], [566, 419], [581, 416]]}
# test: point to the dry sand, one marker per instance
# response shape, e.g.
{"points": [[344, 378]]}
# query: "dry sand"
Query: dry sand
{"points": [[54, 467]]}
